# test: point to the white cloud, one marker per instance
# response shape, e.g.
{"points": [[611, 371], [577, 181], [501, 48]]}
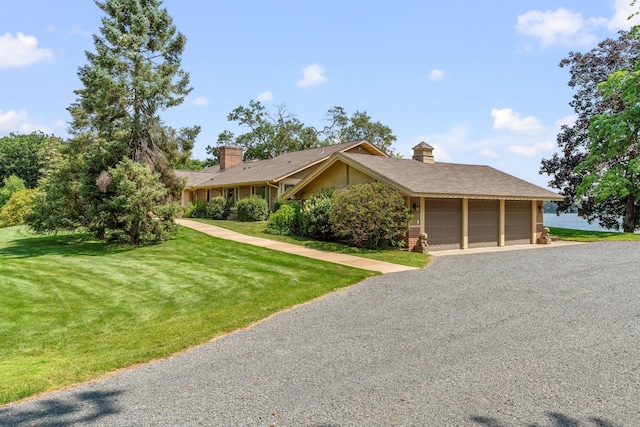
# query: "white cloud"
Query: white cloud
{"points": [[507, 119], [19, 121], [560, 26], [265, 96], [531, 150], [21, 50], [312, 75], [569, 120], [486, 152], [436, 74], [620, 19], [440, 154], [200, 101]]}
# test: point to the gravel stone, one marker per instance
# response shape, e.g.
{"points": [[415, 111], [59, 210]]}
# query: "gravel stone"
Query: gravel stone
{"points": [[546, 337]]}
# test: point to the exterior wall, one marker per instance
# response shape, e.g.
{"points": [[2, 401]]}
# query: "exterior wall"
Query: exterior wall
{"points": [[414, 223], [356, 177], [358, 150], [335, 176], [338, 176]]}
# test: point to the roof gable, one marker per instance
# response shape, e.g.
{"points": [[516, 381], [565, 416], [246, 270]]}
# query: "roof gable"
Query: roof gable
{"points": [[281, 167]]}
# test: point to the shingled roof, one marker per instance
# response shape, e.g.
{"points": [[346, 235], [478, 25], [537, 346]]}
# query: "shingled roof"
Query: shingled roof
{"points": [[441, 179], [271, 170]]}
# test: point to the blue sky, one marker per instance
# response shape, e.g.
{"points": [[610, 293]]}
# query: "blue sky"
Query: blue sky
{"points": [[479, 81]]}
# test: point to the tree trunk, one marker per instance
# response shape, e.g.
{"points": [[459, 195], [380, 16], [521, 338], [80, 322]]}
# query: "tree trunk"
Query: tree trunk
{"points": [[134, 234], [628, 224]]}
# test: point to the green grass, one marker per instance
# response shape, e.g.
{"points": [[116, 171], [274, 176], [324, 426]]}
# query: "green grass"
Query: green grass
{"points": [[592, 236], [411, 259], [73, 308]]}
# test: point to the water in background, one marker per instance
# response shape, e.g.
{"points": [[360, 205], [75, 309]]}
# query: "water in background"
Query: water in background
{"points": [[572, 221]]}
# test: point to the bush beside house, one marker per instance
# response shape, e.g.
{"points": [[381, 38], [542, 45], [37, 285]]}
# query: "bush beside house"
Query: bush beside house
{"points": [[371, 215], [253, 208]]}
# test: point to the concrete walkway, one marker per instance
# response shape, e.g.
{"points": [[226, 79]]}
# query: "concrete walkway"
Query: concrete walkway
{"points": [[483, 250], [349, 260]]}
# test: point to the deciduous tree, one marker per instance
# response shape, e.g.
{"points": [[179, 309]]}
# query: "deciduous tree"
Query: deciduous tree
{"points": [[611, 167], [25, 156], [587, 71], [271, 134]]}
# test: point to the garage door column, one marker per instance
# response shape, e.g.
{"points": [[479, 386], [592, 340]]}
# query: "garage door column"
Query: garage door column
{"points": [[465, 224], [501, 225]]}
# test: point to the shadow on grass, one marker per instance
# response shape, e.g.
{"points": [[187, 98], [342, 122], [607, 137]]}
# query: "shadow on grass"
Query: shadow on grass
{"points": [[88, 407], [557, 420], [65, 245]]}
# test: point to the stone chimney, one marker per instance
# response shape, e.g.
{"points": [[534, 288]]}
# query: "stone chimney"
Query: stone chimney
{"points": [[230, 155], [423, 152]]}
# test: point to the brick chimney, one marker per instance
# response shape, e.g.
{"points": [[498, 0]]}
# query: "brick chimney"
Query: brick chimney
{"points": [[423, 152], [230, 155]]}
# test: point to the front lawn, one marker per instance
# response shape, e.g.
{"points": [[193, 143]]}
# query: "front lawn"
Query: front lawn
{"points": [[592, 236], [73, 308], [411, 259]]}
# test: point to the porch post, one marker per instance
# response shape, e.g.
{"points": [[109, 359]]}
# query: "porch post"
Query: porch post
{"points": [[502, 221], [465, 223], [423, 216], [534, 220]]}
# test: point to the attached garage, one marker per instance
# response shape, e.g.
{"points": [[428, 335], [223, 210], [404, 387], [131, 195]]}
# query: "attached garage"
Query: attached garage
{"points": [[443, 223], [458, 206], [484, 223], [517, 222]]}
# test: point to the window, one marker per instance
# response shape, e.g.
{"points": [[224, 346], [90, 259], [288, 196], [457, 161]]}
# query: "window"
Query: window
{"points": [[288, 187], [231, 195], [259, 190]]}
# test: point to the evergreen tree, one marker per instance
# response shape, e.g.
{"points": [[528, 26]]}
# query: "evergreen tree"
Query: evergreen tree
{"points": [[133, 75]]}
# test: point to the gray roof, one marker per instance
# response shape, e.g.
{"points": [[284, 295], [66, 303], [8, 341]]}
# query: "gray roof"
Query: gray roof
{"points": [[270, 170], [447, 179], [193, 177]]}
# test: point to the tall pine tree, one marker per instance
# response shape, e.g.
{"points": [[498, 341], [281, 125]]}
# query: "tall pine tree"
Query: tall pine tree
{"points": [[133, 75]]}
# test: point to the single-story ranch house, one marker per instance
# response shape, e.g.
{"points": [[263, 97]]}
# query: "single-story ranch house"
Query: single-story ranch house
{"points": [[456, 205]]}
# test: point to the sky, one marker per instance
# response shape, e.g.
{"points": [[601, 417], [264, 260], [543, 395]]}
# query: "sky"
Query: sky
{"points": [[478, 80]]}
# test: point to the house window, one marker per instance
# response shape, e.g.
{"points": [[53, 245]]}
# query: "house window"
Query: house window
{"points": [[288, 187], [208, 195], [231, 195], [259, 190]]}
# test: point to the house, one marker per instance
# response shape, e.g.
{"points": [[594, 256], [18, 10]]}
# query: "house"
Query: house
{"points": [[235, 179], [456, 205]]}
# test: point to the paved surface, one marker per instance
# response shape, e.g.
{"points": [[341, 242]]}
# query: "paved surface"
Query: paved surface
{"points": [[516, 338], [350, 260]]}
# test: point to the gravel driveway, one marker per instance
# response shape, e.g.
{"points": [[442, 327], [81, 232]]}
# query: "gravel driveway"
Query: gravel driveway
{"points": [[546, 337]]}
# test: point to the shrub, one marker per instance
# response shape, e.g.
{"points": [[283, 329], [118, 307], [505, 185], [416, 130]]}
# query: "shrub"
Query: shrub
{"points": [[283, 221], [11, 184], [217, 208], [19, 205], [314, 216], [253, 208], [197, 210], [136, 210], [370, 215]]}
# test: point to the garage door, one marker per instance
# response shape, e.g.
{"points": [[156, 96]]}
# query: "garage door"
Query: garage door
{"points": [[517, 222], [484, 223], [443, 223]]}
